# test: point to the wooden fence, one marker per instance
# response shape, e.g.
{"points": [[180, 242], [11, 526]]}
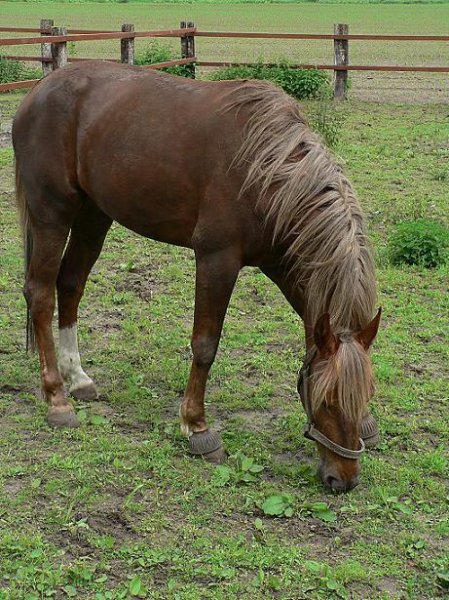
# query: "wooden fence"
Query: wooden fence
{"points": [[53, 41]]}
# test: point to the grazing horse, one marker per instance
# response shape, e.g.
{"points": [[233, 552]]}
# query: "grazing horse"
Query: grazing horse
{"points": [[229, 169]]}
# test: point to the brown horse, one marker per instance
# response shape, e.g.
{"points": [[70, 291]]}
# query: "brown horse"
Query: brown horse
{"points": [[229, 169]]}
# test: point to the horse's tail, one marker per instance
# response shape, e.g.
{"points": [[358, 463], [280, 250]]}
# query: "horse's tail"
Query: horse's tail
{"points": [[28, 251]]}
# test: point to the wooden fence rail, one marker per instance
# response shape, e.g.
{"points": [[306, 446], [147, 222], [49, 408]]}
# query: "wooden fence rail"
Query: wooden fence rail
{"points": [[53, 43], [54, 53], [323, 36], [86, 37], [48, 29]]}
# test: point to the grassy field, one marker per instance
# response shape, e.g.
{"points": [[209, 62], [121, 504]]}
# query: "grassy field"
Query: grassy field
{"points": [[413, 19], [218, 2], [116, 509]]}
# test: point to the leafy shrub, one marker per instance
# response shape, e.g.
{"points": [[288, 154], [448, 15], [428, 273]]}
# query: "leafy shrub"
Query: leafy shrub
{"points": [[423, 243], [157, 52], [300, 83], [13, 70]]}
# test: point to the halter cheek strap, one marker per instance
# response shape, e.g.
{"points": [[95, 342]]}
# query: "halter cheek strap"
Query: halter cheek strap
{"points": [[311, 432]]}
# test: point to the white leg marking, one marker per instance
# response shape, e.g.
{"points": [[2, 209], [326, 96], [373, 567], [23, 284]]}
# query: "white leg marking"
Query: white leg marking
{"points": [[185, 429], [69, 359]]}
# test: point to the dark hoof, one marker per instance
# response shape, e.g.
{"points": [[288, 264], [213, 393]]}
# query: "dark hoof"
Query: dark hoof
{"points": [[59, 418], [218, 457], [370, 431], [207, 444], [86, 393]]}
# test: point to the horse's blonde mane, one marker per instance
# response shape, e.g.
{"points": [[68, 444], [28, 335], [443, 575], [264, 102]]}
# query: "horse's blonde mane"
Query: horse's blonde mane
{"points": [[303, 193]]}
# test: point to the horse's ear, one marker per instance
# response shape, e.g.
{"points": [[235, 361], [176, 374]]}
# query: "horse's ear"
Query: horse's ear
{"points": [[367, 335], [325, 340]]}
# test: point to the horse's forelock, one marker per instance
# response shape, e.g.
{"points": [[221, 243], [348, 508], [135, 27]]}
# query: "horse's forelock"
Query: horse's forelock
{"points": [[345, 378]]}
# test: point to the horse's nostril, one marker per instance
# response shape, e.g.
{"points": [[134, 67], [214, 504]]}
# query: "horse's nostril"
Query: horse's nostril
{"points": [[332, 482], [338, 485]]}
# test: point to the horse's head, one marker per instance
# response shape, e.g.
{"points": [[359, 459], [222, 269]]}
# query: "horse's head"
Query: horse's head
{"points": [[335, 385]]}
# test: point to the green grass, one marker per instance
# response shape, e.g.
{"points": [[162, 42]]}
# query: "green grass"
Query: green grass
{"points": [[117, 508], [218, 2]]}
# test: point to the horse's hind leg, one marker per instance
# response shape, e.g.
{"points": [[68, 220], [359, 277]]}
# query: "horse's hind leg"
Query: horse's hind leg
{"points": [[48, 246], [216, 274], [86, 241]]}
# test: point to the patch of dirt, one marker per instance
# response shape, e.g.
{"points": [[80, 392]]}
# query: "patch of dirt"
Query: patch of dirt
{"points": [[307, 531], [106, 519], [255, 420], [138, 281], [426, 339], [415, 369], [18, 404], [133, 428], [257, 297], [300, 456], [107, 320], [358, 590], [101, 407], [420, 370], [73, 545], [110, 520], [9, 389], [13, 486], [391, 586]]}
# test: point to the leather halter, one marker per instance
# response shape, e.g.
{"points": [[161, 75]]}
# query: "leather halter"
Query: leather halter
{"points": [[310, 431]]}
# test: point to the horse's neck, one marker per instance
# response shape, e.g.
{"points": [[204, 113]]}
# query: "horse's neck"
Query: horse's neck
{"points": [[291, 290], [295, 296]]}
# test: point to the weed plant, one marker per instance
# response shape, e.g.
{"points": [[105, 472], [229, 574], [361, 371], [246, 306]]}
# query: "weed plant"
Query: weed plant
{"points": [[14, 70], [157, 52], [424, 243]]}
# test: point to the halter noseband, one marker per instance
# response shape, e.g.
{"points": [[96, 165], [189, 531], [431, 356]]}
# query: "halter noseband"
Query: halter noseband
{"points": [[310, 431]]}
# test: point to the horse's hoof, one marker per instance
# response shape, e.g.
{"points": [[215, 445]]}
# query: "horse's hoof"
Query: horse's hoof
{"points": [[62, 418], [86, 393], [218, 457], [207, 444], [370, 431]]}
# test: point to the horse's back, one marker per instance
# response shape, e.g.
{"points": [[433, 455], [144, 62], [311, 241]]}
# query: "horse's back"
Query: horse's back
{"points": [[146, 147], [86, 100]]}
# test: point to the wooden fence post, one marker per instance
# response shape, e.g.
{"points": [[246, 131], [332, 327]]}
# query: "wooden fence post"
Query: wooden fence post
{"points": [[47, 67], [59, 49], [127, 46], [188, 47], [341, 51]]}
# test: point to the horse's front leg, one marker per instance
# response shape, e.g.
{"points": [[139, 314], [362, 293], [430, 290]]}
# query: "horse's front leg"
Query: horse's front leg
{"points": [[216, 274]]}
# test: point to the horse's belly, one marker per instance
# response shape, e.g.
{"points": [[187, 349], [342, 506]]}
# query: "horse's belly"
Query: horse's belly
{"points": [[151, 214], [174, 226], [144, 191]]}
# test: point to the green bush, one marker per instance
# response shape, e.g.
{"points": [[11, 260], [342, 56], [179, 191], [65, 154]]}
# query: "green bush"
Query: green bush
{"points": [[157, 52], [13, 70], [423, 243], [302, 84]]}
